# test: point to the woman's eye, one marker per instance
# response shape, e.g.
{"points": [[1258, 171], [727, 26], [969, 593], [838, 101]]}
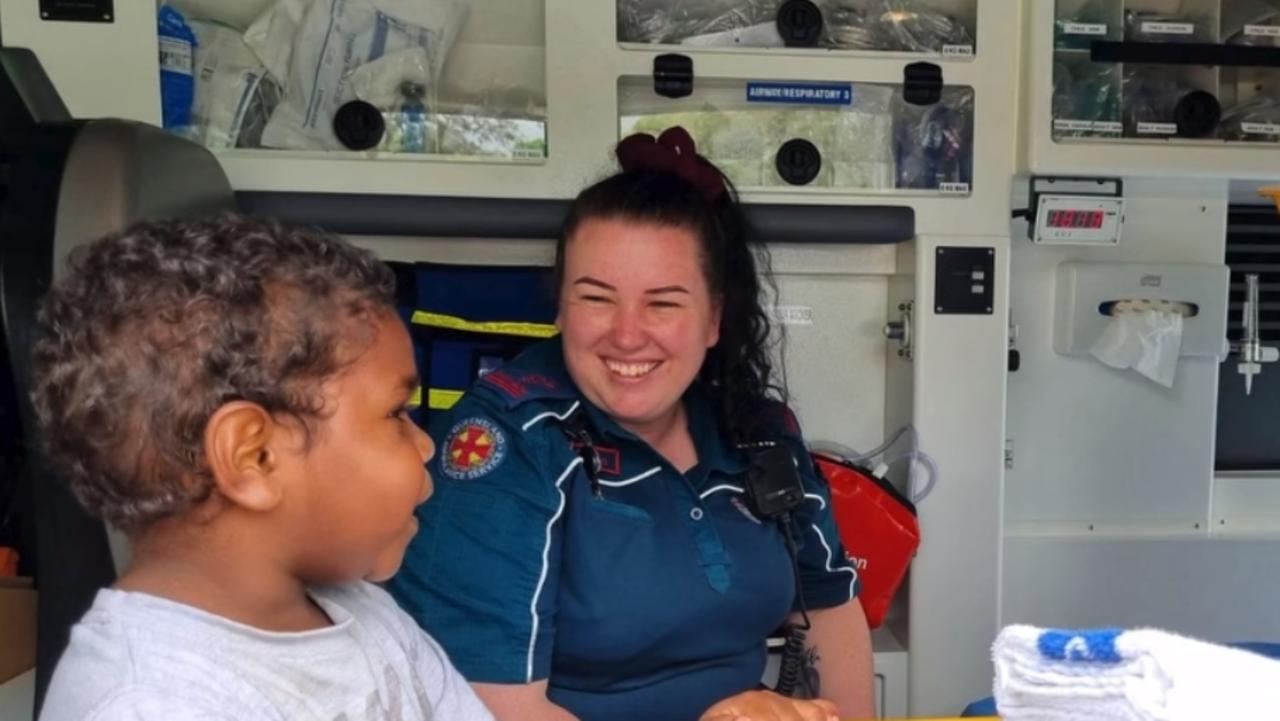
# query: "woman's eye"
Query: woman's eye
{"points": [[664, 304], [595, 299]]}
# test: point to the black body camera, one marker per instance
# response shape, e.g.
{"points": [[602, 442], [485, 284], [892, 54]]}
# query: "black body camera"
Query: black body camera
{"points": [[773, 482]]}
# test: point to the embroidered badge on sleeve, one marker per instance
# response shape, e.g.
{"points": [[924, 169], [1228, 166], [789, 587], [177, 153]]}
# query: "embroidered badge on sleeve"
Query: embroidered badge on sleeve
{"points": [[475, 447]]}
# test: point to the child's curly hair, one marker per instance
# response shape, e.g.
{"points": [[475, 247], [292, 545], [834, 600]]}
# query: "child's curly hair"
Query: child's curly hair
{"points": [[154, 328]]}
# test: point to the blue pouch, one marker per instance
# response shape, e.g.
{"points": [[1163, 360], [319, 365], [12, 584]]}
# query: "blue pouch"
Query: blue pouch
{"points": [[177, 60]]}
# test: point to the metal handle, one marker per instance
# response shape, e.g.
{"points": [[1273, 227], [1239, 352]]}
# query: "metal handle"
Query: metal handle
{"points": [[1250, 349]]}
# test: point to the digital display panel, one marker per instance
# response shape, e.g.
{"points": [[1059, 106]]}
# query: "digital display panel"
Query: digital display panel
{"points": [[1084, 219]]}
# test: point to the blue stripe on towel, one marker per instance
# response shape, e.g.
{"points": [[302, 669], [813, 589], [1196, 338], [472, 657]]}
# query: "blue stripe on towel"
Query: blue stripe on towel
{"points": [[1097, 645]]}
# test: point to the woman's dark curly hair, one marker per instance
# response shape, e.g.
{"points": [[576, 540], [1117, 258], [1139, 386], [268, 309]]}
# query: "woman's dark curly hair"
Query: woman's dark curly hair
{"points": [[738, 371], [154, 328]]}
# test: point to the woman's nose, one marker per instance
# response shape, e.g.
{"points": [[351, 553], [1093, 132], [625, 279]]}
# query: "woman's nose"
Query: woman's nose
{"points": [[628, 330]]}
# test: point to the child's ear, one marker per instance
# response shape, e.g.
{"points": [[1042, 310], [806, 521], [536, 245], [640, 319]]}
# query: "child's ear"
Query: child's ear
{"points": [[238, 448]]}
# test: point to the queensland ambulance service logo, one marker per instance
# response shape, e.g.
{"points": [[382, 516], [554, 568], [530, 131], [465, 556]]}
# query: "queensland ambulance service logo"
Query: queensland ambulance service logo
{"points": [[475, 447]]}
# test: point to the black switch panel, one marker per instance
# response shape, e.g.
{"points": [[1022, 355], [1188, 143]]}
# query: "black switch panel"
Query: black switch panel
{"points": [[83, 11], [965, 281]]}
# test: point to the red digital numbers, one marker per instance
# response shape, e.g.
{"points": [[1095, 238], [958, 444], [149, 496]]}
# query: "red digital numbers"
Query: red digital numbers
{"points": [[1086, 219]]}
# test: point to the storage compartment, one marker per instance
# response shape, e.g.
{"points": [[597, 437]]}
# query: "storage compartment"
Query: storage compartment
{"points": [[463, 78], [1112, 81], [1163, 101], [933, 27], [847, 136], [1086, 97]]}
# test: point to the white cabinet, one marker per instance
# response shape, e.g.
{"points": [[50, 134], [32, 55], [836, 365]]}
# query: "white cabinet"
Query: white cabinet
{"points": [[527, 97], [1153, 87]]}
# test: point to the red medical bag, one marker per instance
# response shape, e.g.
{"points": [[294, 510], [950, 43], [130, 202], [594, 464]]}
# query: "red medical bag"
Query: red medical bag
{"points": [[878, 527]]}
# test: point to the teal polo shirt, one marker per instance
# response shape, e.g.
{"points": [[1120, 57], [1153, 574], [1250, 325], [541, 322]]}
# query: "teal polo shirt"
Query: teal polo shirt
{"points": [[650, 601]]}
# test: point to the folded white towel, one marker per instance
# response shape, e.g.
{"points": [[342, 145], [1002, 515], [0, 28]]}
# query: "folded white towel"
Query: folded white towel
{"points": [[1141, 675]]}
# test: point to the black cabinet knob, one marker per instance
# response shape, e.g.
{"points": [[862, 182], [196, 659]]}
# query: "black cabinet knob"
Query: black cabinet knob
{"points": [[798, 161], [799, 23]]}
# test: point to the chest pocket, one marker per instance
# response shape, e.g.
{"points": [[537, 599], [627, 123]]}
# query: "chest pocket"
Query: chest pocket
{"points": [[606, 508]]}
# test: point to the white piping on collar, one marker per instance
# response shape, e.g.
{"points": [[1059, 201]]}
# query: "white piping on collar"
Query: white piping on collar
{"points": [[558, 416], [633, 479], [721, 487]]}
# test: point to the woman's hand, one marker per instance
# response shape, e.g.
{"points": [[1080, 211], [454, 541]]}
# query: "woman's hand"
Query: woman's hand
{"points": [[769, 706]]}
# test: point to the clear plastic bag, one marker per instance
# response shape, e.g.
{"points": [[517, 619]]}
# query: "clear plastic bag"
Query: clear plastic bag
{"points": [[1246, 22], [933, 144], [234, 96], [674, 21], [1084, 92], [1257, 119], [861, 150], [1160, 99], [893, 25], [332, 44]]}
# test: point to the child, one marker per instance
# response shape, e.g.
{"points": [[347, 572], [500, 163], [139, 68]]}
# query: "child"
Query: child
{"points": [[232, 394]]}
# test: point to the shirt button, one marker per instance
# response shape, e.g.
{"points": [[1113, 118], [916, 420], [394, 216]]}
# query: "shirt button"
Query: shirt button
{"points": [[696, 514]]}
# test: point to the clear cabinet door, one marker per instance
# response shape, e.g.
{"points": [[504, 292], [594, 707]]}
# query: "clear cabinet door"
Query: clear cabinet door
{"points": [[459, 78], [1185, 71], [840, 136], [932, 27]]}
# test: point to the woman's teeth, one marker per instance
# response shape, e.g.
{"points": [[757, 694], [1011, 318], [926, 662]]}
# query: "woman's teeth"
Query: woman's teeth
{"points": [[630, 370]]}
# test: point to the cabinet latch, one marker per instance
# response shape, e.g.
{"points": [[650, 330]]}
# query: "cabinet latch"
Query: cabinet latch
{"points": [[799, 24], [922, 83], [673, 75]]}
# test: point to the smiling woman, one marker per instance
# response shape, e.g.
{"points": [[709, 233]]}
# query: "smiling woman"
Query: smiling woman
{"points": [[598, 556]]}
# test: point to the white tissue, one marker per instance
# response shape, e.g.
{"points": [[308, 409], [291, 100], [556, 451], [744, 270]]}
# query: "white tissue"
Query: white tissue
{"points": [[1148, 341]]}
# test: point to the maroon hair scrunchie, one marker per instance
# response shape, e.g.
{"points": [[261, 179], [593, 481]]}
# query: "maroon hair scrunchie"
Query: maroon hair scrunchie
{"points": [[673, 151]]}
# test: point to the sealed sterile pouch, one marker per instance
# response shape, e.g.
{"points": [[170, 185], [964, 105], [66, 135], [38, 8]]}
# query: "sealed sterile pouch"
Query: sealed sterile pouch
{"points": [[233, 95], [334, 40], [271, 36]]}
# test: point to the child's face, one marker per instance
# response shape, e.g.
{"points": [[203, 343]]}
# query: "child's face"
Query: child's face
{"points": [[365, 471]]}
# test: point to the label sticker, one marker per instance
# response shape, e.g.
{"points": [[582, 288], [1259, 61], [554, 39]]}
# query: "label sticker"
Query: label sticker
{"points": [[793, 314], [1262, 31], [801, 93], [1158, 128], [1260, 128], [1159, 28], [953, 188], [1084, 28], [1063, 124], [175, 55], [957, 51]]}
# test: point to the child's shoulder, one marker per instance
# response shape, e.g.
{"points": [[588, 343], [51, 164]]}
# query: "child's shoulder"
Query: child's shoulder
{"points": [[118, 663]]}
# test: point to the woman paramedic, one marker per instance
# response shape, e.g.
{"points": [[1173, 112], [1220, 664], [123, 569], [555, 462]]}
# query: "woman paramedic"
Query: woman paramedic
{"points": [[592, 550]]}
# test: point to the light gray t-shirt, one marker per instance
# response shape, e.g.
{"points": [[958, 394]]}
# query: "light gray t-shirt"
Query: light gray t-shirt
{"points": [[138, 657]]}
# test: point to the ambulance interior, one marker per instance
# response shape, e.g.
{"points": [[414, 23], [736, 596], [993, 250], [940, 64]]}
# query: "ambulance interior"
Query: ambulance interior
{"points": [[969, 204]]}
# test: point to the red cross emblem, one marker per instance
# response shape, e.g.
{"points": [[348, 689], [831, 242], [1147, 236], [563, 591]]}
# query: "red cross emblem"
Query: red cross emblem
{"points": [[475, 446]]}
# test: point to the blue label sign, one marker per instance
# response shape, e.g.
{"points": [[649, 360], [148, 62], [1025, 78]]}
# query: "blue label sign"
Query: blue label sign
{"points": [[801, 93]]}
